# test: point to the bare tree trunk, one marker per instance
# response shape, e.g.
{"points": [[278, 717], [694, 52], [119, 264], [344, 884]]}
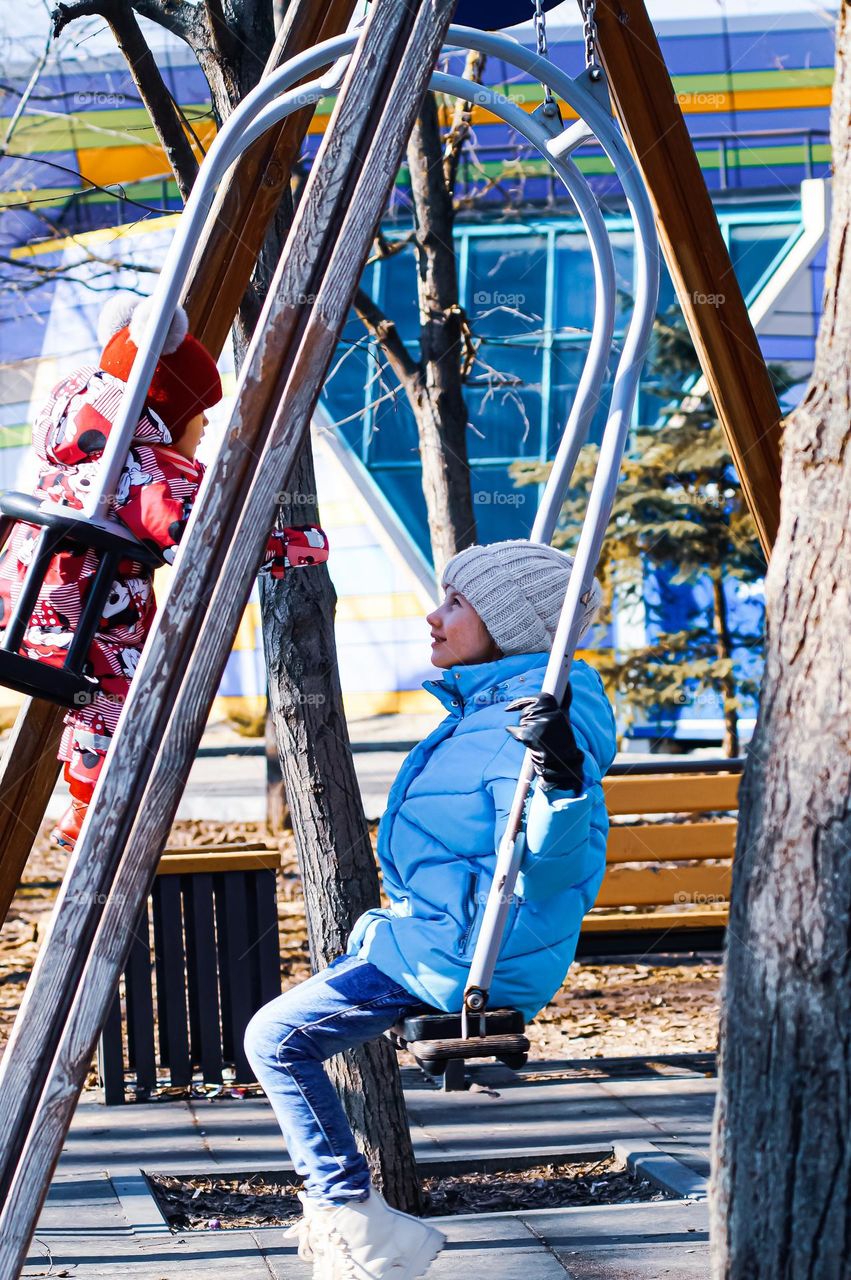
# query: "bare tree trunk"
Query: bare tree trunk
{"points": [[434, 383], [438, 398], [781, 1185], [724, 650]]}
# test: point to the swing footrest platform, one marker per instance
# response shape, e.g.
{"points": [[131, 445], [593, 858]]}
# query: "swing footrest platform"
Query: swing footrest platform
{"points": [[435, 1039], [501, 1047], [37, 680]]}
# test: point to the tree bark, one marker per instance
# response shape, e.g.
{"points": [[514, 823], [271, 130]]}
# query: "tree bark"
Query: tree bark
{"points": [[277, 812], [437, 397], [781, 1186], [723, 647]]}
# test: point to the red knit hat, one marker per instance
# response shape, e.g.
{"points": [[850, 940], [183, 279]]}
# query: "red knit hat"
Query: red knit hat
{"points": [[186, 380]]}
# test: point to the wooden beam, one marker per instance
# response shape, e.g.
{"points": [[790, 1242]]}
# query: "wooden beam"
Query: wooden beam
{"points": [[193, 861], [28, 775], [220, 273], [51, 1044], [649, 886], [672, 841], [697, 257], [688, 918], [248, 201]]}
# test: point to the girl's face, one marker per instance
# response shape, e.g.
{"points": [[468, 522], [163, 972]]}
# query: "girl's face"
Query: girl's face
{"points": [[459, 637], [192, 435]]}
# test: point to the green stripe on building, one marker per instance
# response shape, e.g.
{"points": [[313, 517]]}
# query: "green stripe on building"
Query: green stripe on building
{"points": [[126, 126]]}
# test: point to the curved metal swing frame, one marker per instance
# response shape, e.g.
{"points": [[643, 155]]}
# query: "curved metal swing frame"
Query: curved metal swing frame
{"points": [[269, 103]]}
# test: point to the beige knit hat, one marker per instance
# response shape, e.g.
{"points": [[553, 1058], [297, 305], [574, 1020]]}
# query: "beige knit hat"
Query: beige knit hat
{"points": [[517, 588]]}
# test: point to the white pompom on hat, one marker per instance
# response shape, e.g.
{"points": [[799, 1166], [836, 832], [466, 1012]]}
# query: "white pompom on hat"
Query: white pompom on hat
{"points": [[126, 311], [517, 588]]}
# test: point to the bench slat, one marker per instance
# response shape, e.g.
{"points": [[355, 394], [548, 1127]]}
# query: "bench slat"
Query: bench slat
{"points": [[654, 886], [671, 793], [662, 841], [608, 922], [185, 862]]}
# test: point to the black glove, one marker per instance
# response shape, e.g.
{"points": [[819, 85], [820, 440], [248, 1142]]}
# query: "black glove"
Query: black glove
{"points": [[545, 729]]}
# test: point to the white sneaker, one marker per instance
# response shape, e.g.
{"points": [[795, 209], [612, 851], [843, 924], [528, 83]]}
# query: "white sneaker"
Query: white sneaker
{"points": [[312, 1242], [368, 1240]]}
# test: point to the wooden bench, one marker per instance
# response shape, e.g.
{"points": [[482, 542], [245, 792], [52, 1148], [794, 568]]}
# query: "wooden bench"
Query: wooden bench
{"points": [[186, 1000], [667, 883]]}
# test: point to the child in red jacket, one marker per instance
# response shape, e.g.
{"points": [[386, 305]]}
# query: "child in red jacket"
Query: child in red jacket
{"points": [[154, 498]]}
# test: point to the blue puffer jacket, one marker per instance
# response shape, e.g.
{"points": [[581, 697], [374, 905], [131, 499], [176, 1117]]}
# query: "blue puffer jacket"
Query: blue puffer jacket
{"points": [[438, 838]]}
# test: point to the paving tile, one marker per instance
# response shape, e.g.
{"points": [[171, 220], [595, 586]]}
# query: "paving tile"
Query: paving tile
{"points": [[87, 1231], [500, 1246], [665, 1240]]}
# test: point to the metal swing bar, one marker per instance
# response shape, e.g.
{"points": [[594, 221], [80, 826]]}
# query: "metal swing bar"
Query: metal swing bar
{"points": [[92, 527], [257, 116], [601, 498]]}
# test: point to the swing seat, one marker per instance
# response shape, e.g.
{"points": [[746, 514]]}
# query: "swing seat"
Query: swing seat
{"points": [[436, 1042], [62, 529]]}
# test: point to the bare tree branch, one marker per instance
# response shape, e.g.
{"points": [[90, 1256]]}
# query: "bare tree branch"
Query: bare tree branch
{"points": [[384, 330], [177, 16], [153, 90], [25, 97], [462, 118]]}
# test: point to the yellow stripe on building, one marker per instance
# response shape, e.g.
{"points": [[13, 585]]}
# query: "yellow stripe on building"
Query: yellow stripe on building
{"points": [[399, 604], [104, 235]]}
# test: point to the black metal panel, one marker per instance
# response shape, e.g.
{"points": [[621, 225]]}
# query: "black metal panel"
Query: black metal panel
{"points": [[267, 949], [201, 969], [234, 964], [111, 1055], [644, 942], [140, 1007], [216, 960], [171, 980]]}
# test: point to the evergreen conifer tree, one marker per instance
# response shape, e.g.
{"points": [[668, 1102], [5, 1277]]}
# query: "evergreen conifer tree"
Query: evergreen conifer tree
{"points": [[679, 518]]}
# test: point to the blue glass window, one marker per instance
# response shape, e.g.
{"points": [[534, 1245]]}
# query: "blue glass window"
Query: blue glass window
{"points": [[507, 285]]}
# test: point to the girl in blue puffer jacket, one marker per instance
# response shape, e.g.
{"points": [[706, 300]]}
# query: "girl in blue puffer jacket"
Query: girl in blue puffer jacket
{"points": [[437, 845]]}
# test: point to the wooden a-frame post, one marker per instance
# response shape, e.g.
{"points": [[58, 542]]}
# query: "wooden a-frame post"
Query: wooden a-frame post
{"points": [[64, 1004], [709, 294], [220, 274]]}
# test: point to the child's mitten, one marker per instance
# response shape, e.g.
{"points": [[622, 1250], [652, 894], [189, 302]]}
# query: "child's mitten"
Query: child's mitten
{"points": [[294, 548], [545, 729]]}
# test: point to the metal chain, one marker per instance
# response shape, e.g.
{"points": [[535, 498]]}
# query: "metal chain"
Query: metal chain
{"points": [[588, 8], [542, 49]]}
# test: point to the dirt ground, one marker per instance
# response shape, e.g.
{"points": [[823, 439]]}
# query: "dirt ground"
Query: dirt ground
{"points": [[658, 1007], [213, 1204]]}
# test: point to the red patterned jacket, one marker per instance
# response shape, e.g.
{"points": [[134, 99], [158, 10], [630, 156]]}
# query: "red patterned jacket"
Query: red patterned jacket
{"points": [[154, 499]]}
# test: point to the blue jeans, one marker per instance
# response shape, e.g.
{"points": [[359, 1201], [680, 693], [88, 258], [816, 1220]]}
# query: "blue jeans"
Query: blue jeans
{"points": [[287, 1041]]}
